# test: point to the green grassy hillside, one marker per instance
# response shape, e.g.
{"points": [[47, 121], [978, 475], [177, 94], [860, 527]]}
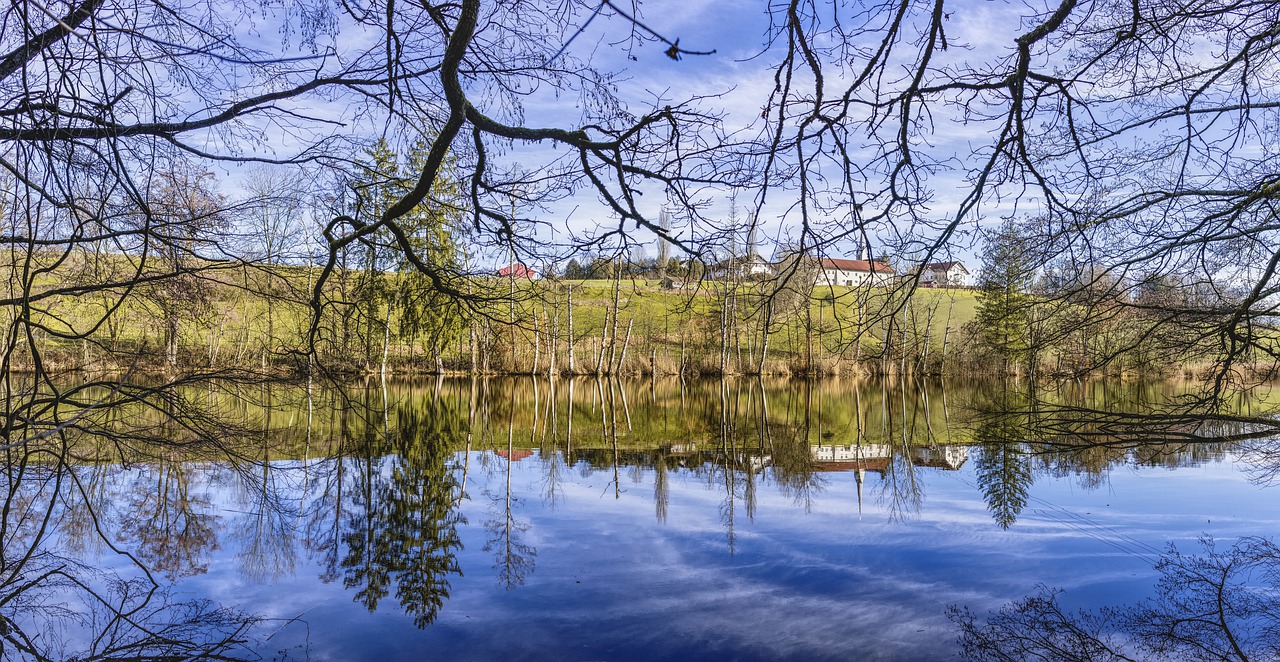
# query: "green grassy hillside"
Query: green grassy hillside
{"points": [[250, 316]]}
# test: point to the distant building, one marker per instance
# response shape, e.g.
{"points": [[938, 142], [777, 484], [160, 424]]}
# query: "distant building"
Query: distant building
{"points": [[517, 271], [944, 274], [854, 273], [750, 267]]}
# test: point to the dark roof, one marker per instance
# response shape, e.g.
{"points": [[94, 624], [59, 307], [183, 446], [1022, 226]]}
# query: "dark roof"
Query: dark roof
{"points": [[867, 266], [945, 266], [880, 464]]}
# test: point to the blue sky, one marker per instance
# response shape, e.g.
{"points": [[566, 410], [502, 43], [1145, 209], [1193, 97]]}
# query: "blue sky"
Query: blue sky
{"points": [[735, 81], [740, 77]]}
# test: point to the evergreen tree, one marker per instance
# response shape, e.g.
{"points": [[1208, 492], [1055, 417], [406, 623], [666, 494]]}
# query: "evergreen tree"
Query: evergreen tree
{"points": [[1004, 299], [427, 313], [575, 271], [376, 189], [388, 283]]}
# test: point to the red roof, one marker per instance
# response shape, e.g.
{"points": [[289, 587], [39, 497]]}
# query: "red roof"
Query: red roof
{"points": [[516, 271], [866, 266]]}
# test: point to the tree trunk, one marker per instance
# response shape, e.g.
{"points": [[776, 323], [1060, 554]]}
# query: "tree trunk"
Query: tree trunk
{"points": [[386, 340], [764, 336], [625, 342], [571, 338], [475, 349], [946, 335], [171, 339], [724, 334], [537, 345], [604, 339], [555, 344], [613, 337]]}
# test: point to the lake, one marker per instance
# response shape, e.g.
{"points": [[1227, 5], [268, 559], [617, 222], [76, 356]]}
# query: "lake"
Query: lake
{"points": [[605, 520]]}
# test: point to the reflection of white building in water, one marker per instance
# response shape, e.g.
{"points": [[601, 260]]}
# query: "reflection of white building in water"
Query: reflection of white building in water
{"points": [[861, 458], [876, 456], [858, 457]]}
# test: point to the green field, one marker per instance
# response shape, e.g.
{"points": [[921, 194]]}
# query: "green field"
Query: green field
{"points": [[247, 316]]}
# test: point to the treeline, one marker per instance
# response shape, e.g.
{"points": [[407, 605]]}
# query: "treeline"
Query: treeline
{"points": [[376, 308], [264, 317], [1042, 313], [202, 282], [213, 284]]}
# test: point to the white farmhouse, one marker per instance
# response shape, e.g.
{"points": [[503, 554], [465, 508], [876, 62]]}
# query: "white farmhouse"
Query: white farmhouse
{"points": [[854, 273], [944, 274], [750, 267]]}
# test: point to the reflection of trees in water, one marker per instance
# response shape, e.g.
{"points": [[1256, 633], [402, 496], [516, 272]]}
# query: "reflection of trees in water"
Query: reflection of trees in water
{"points": [[53, 606], [364, 564], [548, 445], [127, 619], [1087, 430], [905, 426], [380, 507], [1001, 465], [1004, 475], [504, 532], [171, 525], [743, 437], [790, 453], [404, 518], [513, 559], [425, 513], [661, 488], [728, 472], [266, 525], [328, 482], [1217, 605]]}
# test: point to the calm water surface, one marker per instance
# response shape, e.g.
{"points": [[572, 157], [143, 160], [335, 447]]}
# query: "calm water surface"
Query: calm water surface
{"points": [[517, 519]]}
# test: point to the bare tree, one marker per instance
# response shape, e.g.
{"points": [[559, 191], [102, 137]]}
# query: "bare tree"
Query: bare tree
{"points": [[1217, 605]]}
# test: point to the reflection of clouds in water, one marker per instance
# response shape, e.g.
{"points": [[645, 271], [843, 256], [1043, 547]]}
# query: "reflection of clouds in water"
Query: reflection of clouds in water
{"points": [[799, 570], [679, 584], [895, 567], [678, 587], [802, 583]]}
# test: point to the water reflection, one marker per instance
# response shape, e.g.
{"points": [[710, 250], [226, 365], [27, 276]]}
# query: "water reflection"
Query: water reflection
{"points": [[1216, 605], [67, 499], [382, 510], [512, 558], [370, 484]]}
